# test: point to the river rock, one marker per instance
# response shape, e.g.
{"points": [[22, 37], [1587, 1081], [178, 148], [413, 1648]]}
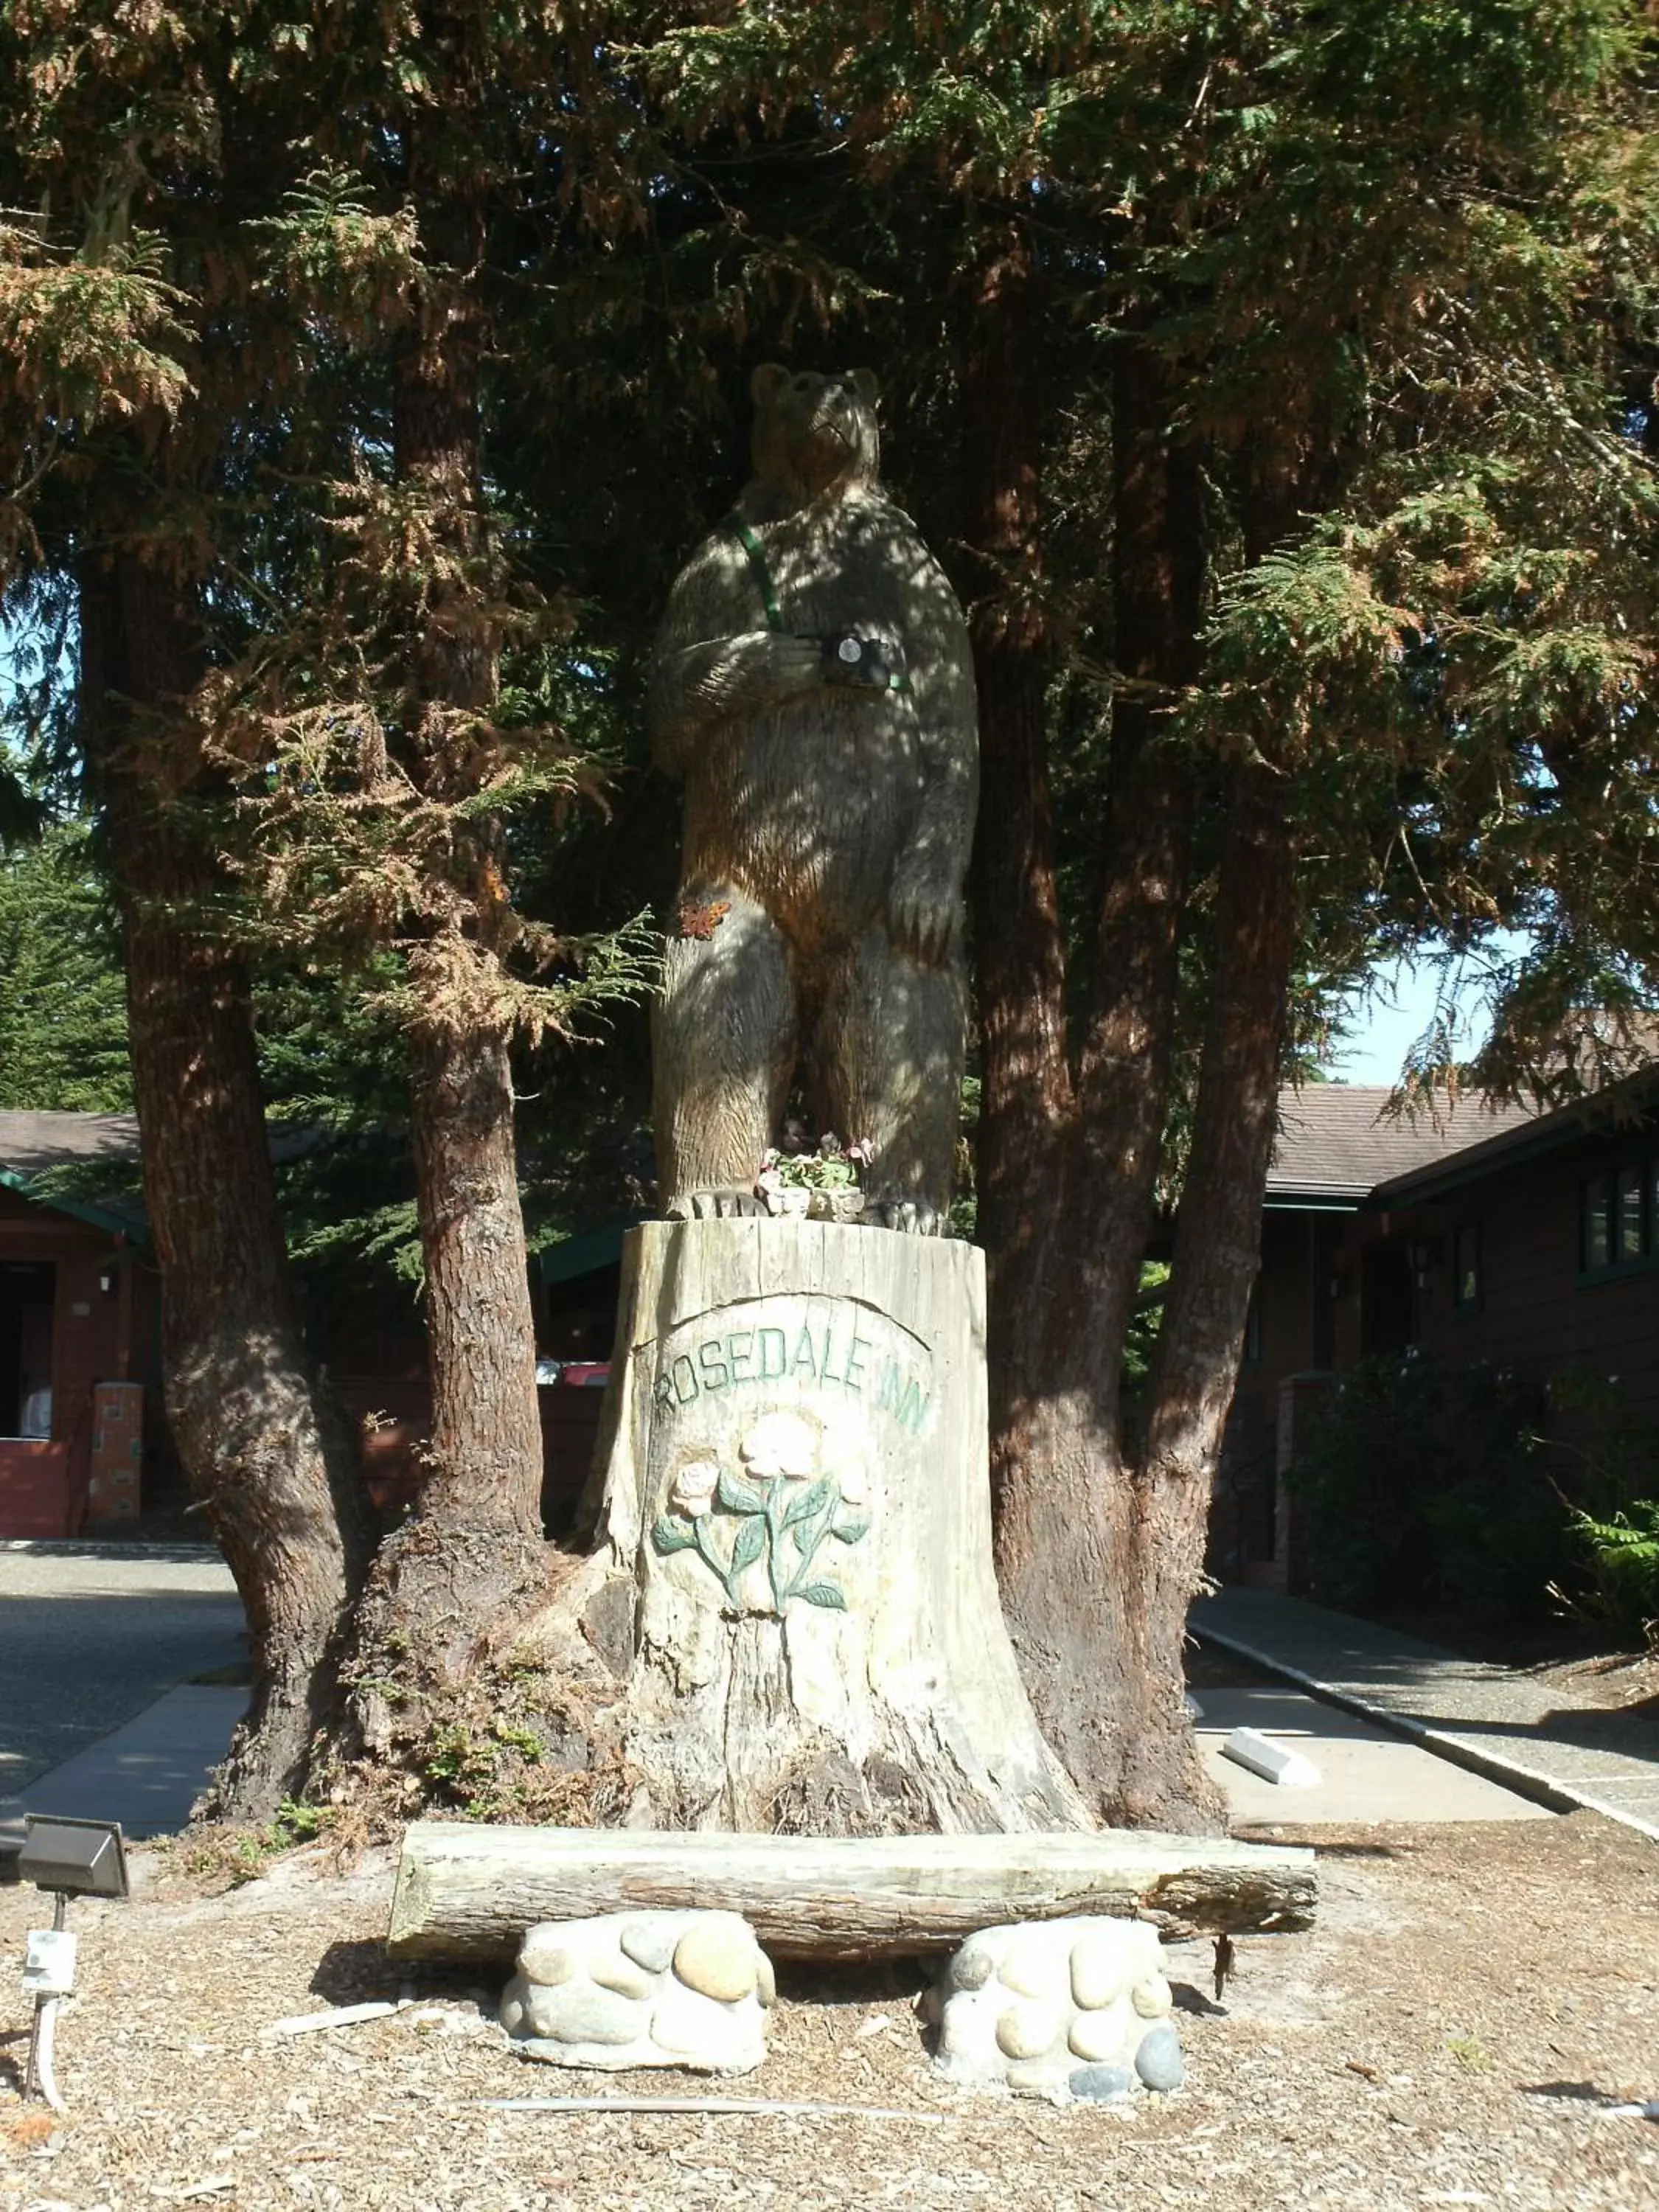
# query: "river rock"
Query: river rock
{"points": [[1033, 1969], [648, 1939], [1017, 2007], [545, 1957], [1152, 1998], [622, 1976], [972, 1967], [637, 1989], [1158, 2062], [1097, 1970], [1101, 2085], [1027, 2030], [717, 1957]]}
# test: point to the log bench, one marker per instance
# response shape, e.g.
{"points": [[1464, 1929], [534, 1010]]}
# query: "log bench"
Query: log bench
{"points": [[467, 1893]]}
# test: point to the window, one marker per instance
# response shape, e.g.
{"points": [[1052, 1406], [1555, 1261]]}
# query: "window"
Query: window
{"points": [[1619, 1218], [1466, 1266], [26, 1310], [1597, 1237], [1629, 1244]]}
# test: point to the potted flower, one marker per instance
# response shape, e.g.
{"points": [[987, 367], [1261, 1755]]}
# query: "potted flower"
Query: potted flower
{"points": [[822, 1184]]}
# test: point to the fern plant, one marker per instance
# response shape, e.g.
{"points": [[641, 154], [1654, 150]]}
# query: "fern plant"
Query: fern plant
{"points": [[1621, 1561]]}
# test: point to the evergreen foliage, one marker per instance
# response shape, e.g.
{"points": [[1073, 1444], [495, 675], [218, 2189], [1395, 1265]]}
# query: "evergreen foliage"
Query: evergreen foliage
{"points": [[63, 1004], [405, 349]]}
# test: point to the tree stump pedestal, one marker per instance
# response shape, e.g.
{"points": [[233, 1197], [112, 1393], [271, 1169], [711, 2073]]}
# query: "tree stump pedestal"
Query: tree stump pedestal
{"points": [[792, 1584]]}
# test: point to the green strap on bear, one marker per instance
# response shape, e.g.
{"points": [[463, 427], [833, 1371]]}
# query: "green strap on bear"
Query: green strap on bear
{"points": [[760, 569], [763, 575]]}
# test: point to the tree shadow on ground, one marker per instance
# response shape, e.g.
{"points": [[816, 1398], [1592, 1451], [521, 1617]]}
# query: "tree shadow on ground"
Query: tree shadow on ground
{"points": [[358, 1971]]}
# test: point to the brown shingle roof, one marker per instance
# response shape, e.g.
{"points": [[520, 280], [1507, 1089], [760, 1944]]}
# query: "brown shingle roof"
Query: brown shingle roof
{"points": [[31, 1142], [1332, 1146]]}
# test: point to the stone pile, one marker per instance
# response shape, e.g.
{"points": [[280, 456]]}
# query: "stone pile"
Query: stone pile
{"points": [[1058, 2008], [643, 1988]]}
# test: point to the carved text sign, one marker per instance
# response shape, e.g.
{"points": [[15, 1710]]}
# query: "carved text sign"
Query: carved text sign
{"points": [[816, 1346]]}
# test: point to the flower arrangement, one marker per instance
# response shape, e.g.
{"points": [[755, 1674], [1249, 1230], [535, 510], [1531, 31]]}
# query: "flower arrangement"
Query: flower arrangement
{"points": [[782, 1508], [829, 1175]]}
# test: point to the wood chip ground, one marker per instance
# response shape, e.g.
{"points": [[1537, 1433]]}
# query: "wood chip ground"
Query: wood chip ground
{"points": [[1449, 2034]]}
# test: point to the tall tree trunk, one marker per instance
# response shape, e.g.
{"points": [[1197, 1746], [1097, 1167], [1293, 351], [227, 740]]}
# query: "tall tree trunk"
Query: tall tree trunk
{"points": [[1027, 1111], [1067, 1522], [456, 1581], [1218, 1250], [270, 1459]]}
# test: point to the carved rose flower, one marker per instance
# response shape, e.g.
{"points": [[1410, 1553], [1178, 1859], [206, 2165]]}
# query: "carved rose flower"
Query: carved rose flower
{"points": [[780, 1444], [853, 1481], [693, 1493]]}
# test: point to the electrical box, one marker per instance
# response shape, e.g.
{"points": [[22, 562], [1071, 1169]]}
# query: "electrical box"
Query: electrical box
{"points": [[49, 1962]]}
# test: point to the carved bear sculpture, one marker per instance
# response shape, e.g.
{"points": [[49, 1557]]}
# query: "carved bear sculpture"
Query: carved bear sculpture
{"points": [[813, 685]]}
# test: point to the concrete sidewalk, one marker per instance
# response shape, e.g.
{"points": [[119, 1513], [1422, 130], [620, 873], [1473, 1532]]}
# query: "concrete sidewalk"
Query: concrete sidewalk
{"points": [[95, 1640], [147, 1774], [1490, 1719], [1366, 1774]]}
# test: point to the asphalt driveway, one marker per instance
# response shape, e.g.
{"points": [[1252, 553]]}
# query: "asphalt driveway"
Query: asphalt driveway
{"points": [[90, 1636]]}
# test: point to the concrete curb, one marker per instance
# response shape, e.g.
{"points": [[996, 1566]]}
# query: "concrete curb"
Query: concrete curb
{"points": [[113, 1547], [1526, 1781]]}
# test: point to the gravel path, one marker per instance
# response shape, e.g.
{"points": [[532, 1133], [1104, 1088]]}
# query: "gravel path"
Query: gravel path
{"points": [[1449, 2033], [88, 1638]]}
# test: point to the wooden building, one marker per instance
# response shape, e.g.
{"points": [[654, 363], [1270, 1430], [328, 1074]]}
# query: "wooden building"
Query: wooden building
{"points": [[1525, 1240], [84, 1446], [79, 1344]]}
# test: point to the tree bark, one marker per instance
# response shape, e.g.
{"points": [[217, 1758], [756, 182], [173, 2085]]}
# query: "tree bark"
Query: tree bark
{"points": [[270, 1459], [455, 1581], [1070, 1231], [1026, 1094]]}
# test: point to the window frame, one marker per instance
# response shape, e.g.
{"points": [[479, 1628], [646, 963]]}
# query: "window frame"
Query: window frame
{"points": [[1604, 1196], [1476, 1300]]}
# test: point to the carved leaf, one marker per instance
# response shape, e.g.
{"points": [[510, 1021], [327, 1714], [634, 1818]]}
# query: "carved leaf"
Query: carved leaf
{"points": [[809, 1531], [824, 1593], [847, 1527], [737, 1496], [752, 1542], [670, 1535], [805, 1503]]}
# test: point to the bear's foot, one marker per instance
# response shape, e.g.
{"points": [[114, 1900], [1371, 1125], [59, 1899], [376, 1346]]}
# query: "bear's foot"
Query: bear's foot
{"points": [[911, 1217], [727, 1202]]}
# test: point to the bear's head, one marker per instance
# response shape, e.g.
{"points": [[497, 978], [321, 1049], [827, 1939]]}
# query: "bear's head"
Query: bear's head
{"points": [[813, 433]]}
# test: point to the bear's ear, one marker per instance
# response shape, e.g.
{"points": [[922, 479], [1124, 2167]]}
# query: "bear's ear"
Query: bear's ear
{"points": [[864, 383], [768, 382]]}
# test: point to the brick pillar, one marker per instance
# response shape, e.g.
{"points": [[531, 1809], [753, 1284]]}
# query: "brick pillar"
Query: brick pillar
{"points": [[118, 1451]]}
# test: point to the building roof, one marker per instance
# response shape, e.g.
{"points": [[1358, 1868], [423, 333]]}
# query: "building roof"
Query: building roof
{"points": [[35, 1144], [1336, 1142], [30, 1143], [1619, 1105]]}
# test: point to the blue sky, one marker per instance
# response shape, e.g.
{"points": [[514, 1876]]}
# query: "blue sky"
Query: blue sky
{"points": [[1382, 1035], [1401, 1008]]}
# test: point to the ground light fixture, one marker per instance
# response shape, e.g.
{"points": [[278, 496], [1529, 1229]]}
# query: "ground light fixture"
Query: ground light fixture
{"points": [[67, 1858]]}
